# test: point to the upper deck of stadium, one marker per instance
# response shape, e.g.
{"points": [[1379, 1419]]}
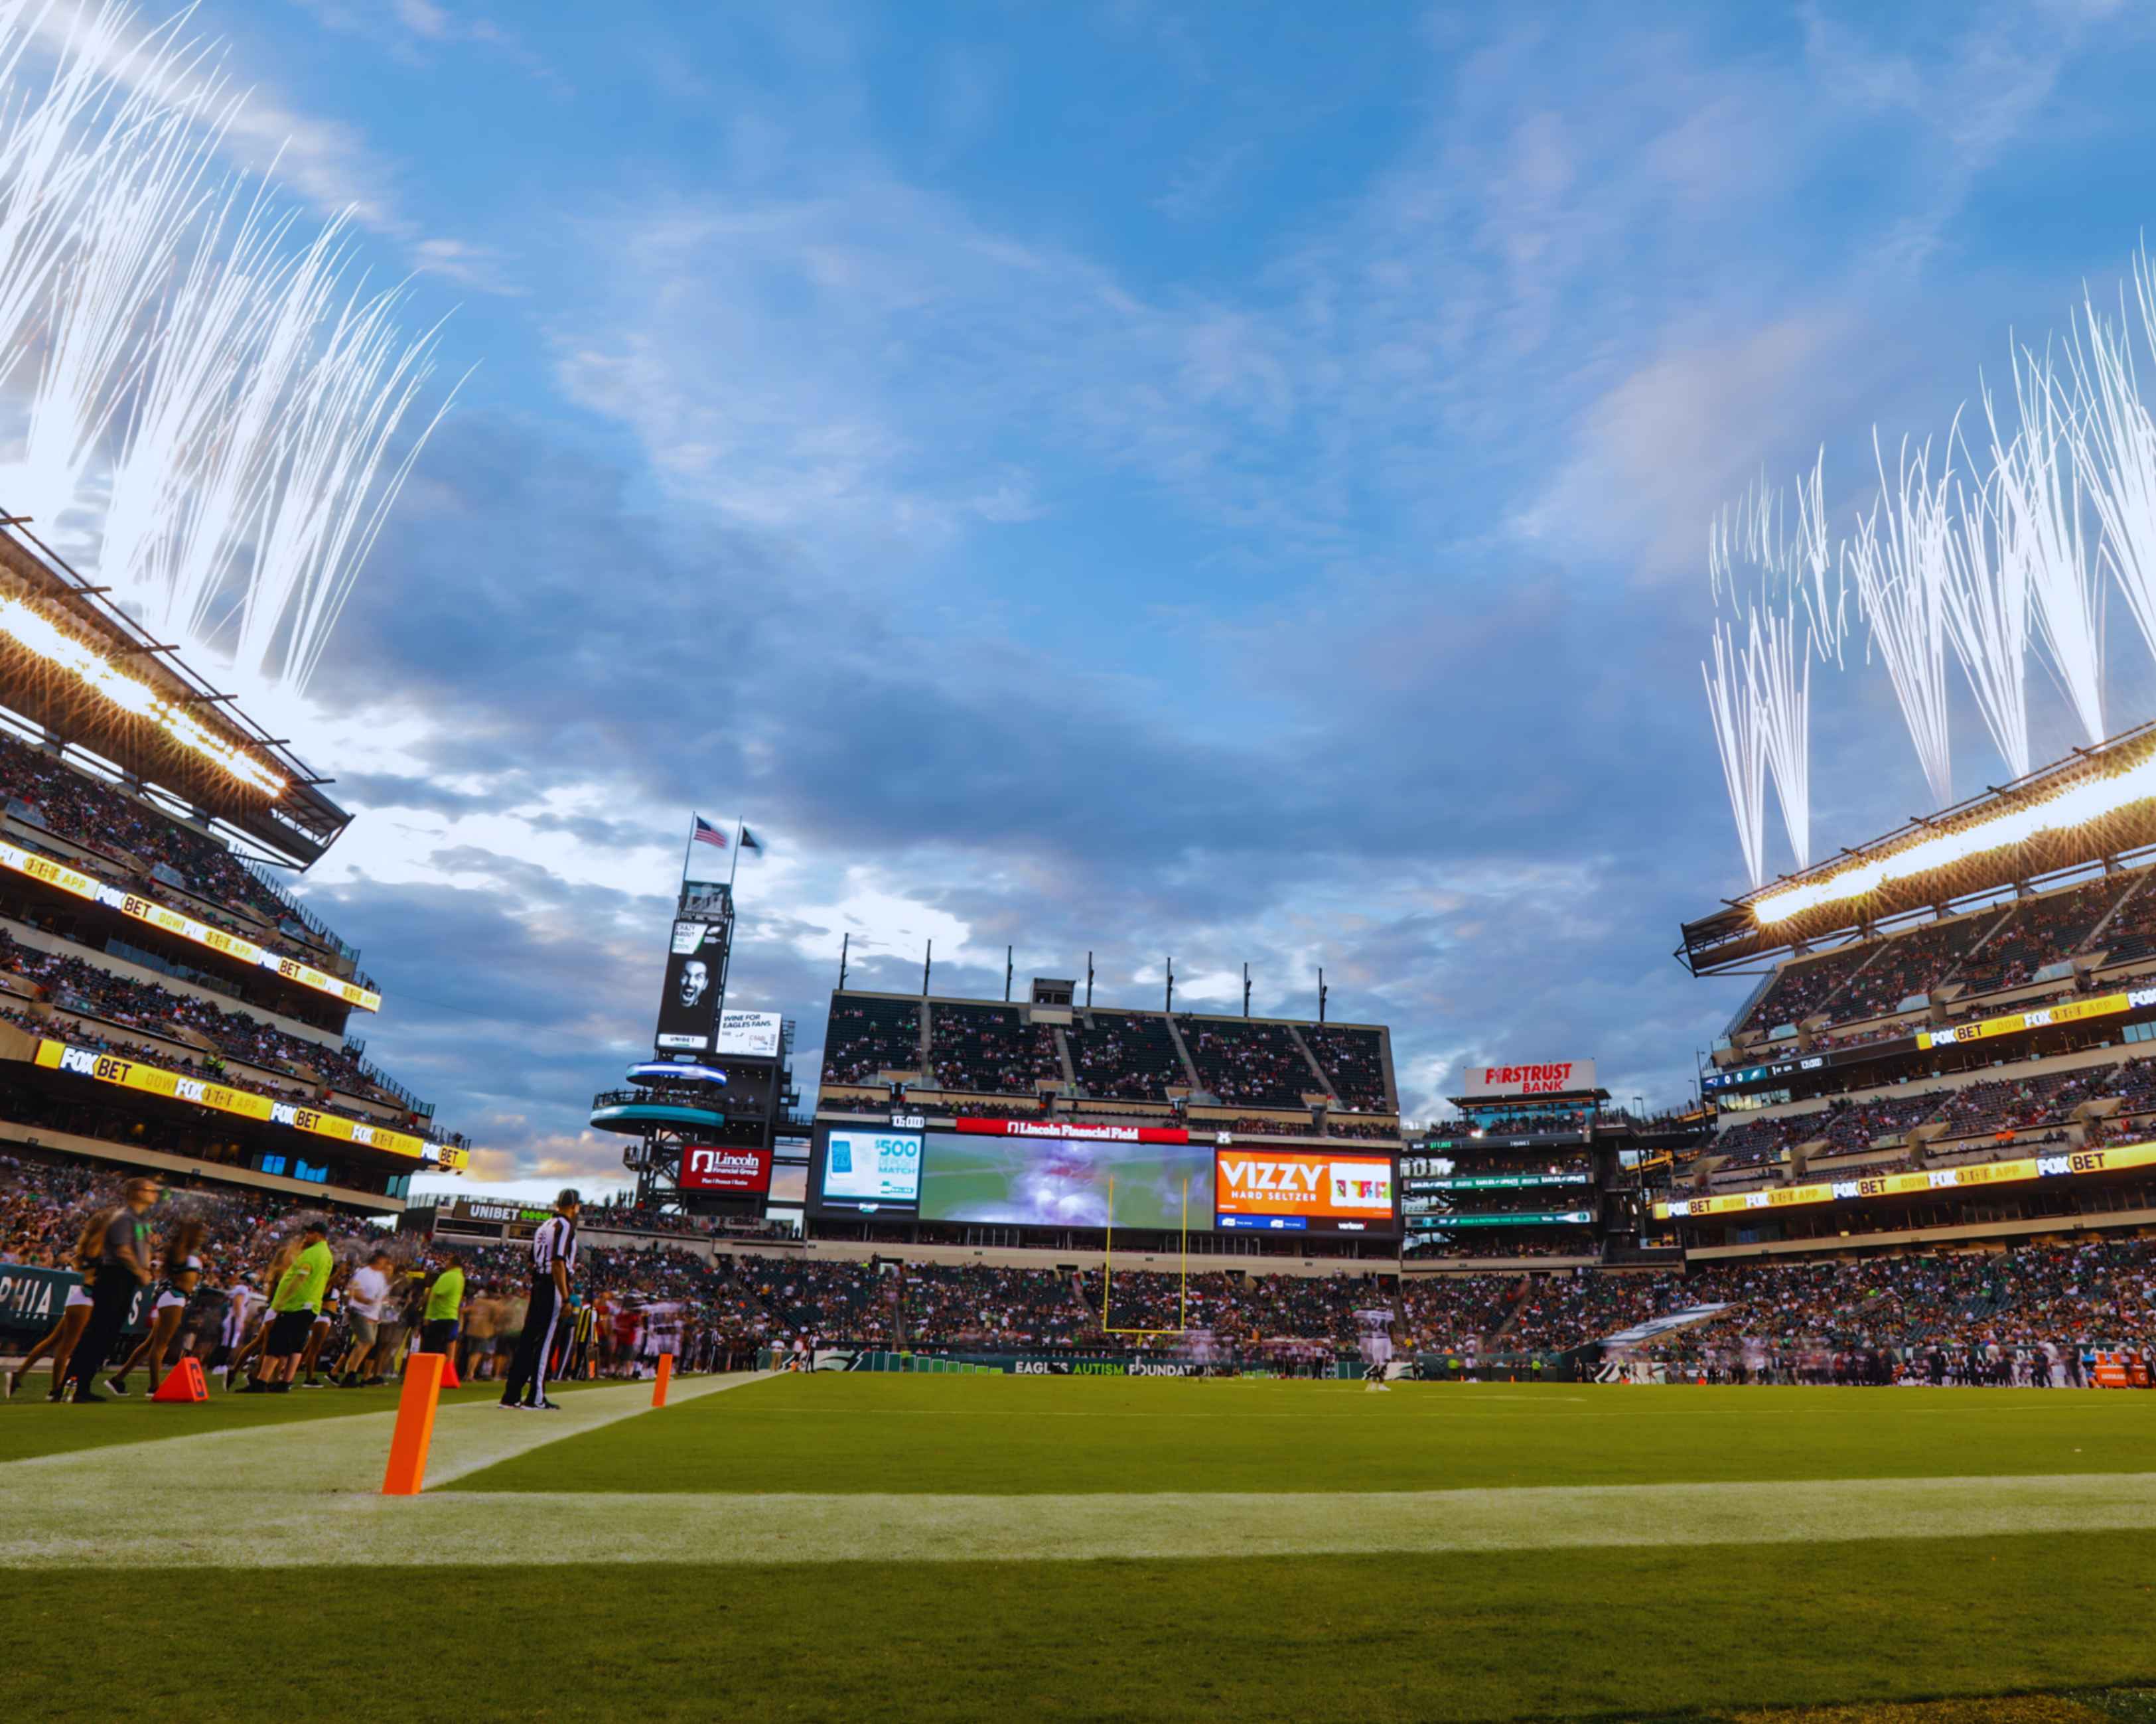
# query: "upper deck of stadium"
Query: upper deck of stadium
{"points": [[163, 1001], [1254, 1076]]}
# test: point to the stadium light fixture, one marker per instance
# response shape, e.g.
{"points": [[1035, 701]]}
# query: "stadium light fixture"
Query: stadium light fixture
{"points": [[36, 634], [2075, 805]]}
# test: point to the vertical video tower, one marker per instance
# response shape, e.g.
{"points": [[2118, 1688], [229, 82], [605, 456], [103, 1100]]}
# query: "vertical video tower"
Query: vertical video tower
{"points": [[703, 1112]]}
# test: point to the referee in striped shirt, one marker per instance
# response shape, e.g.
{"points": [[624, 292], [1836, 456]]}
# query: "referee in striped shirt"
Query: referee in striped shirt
{"points": [[553, 1260]]}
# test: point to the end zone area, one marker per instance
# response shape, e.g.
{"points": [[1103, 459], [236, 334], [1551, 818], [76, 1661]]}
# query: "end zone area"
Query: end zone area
{"points": [[971, 1547]]}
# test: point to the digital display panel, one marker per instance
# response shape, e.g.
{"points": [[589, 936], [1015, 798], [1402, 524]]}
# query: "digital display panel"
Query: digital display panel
{"points": [[696, 977], [754, 1034], [1063, 1182], [1294, 1191], [867, 1170], [708, 1166]]}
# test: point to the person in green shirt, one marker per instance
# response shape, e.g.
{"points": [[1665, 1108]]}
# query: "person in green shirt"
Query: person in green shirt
{"points": [[293, 1303], [445, 1300]]}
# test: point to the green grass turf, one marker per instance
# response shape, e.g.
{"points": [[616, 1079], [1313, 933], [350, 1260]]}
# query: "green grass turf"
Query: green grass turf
{"points": [[30, 1424], [999, 1436], [1660, 1633]]}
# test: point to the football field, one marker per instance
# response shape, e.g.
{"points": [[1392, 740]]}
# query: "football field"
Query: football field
{"points": [[985, 1546]]}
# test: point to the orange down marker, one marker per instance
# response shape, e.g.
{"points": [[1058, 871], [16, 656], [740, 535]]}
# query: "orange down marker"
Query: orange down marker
{"points": [[415, 1425], [183, 1383], [666, 1376]]}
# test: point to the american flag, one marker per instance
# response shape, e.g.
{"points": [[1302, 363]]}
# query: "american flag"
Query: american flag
{"points": [[706, 834]]}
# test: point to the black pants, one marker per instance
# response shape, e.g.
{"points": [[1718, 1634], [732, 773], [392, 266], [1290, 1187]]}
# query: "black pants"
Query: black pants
{"points": [[527, 1374], [438, 1335], [109, 1298]]}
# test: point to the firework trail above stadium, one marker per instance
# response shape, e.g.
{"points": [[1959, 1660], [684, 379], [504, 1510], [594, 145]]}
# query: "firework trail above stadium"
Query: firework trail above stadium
{"points": [[213, 404], [1986, 556]]}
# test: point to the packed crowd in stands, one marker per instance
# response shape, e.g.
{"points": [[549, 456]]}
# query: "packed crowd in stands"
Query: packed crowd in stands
{"points": [[1353, 1061], [990, 1048], [80, 808], [868, 1036], [74, 984], [717, 1308], [632, 1218], [1510, 1122], [1129, 1055], [2011, 1113], [1504, 1243], [1252, 1063], [1364, 1130], [1804, 985], [1250, 1126], [1984, 952], [1853, 1126], [2041, 931], [202, 1065], [2130, 935], [980, 1306], [1911, 965]]}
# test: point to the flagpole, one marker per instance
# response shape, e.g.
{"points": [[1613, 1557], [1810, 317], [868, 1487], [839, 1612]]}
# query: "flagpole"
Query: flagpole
{"points": [[734, 866], [689, 849]]}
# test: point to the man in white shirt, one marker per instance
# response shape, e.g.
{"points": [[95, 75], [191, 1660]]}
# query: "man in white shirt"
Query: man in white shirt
{"points": [[365, 1296]]}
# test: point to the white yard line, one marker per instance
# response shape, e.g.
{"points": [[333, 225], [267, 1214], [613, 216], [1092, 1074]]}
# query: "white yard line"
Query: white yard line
{"points": [[335, 1455], [50, 1517]]}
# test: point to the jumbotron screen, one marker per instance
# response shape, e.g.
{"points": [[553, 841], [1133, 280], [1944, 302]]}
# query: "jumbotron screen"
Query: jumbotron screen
{"points": [[1298, 1190], [866, 1171], [1063, 1182]]}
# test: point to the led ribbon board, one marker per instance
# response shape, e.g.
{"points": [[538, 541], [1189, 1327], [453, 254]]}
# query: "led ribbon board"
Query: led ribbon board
{"points": [[245, 1104], [2101, 1005], [2076, 1161], [70, 880]]}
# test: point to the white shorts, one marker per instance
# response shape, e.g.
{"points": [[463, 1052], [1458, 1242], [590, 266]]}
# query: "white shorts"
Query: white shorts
{"points": [[170, 1301], [78, 1298], [1377, 1350]]}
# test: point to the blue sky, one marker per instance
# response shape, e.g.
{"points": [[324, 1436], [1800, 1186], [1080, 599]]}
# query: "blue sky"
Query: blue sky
{"points": [[1225, 480]]}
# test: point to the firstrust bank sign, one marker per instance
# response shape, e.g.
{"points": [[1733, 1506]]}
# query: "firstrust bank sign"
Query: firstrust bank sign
{"points": [[1552, 1077]]}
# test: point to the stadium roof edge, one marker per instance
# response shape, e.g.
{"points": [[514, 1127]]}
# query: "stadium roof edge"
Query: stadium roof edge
{"points": [[300, 823], [1737, 935], [963, 999]]}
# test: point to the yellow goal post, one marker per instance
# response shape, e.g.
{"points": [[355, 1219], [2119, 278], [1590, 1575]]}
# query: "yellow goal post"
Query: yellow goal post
{"points": [[1108, 1271]]}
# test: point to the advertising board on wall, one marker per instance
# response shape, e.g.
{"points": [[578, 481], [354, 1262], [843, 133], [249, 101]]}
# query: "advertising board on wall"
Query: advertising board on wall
{"points": [[866, 1170], [753, 1036], [720, 1167], [696, 977], [1290, 1191], [1551, 1077], [2112, 1158]]}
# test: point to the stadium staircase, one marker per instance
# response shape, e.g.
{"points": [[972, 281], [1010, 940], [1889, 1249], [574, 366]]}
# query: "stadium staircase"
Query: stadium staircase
{"points": [[1969, 958], [2111, 915], [1183, 1052], [1079, 1302], [1824, 1008], [1064, 1059], [1310, 1059], [1492, 1341]]}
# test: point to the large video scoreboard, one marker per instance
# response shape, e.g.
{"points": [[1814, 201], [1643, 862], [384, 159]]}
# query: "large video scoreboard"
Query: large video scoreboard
{"points": [[1019, 1174]]}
